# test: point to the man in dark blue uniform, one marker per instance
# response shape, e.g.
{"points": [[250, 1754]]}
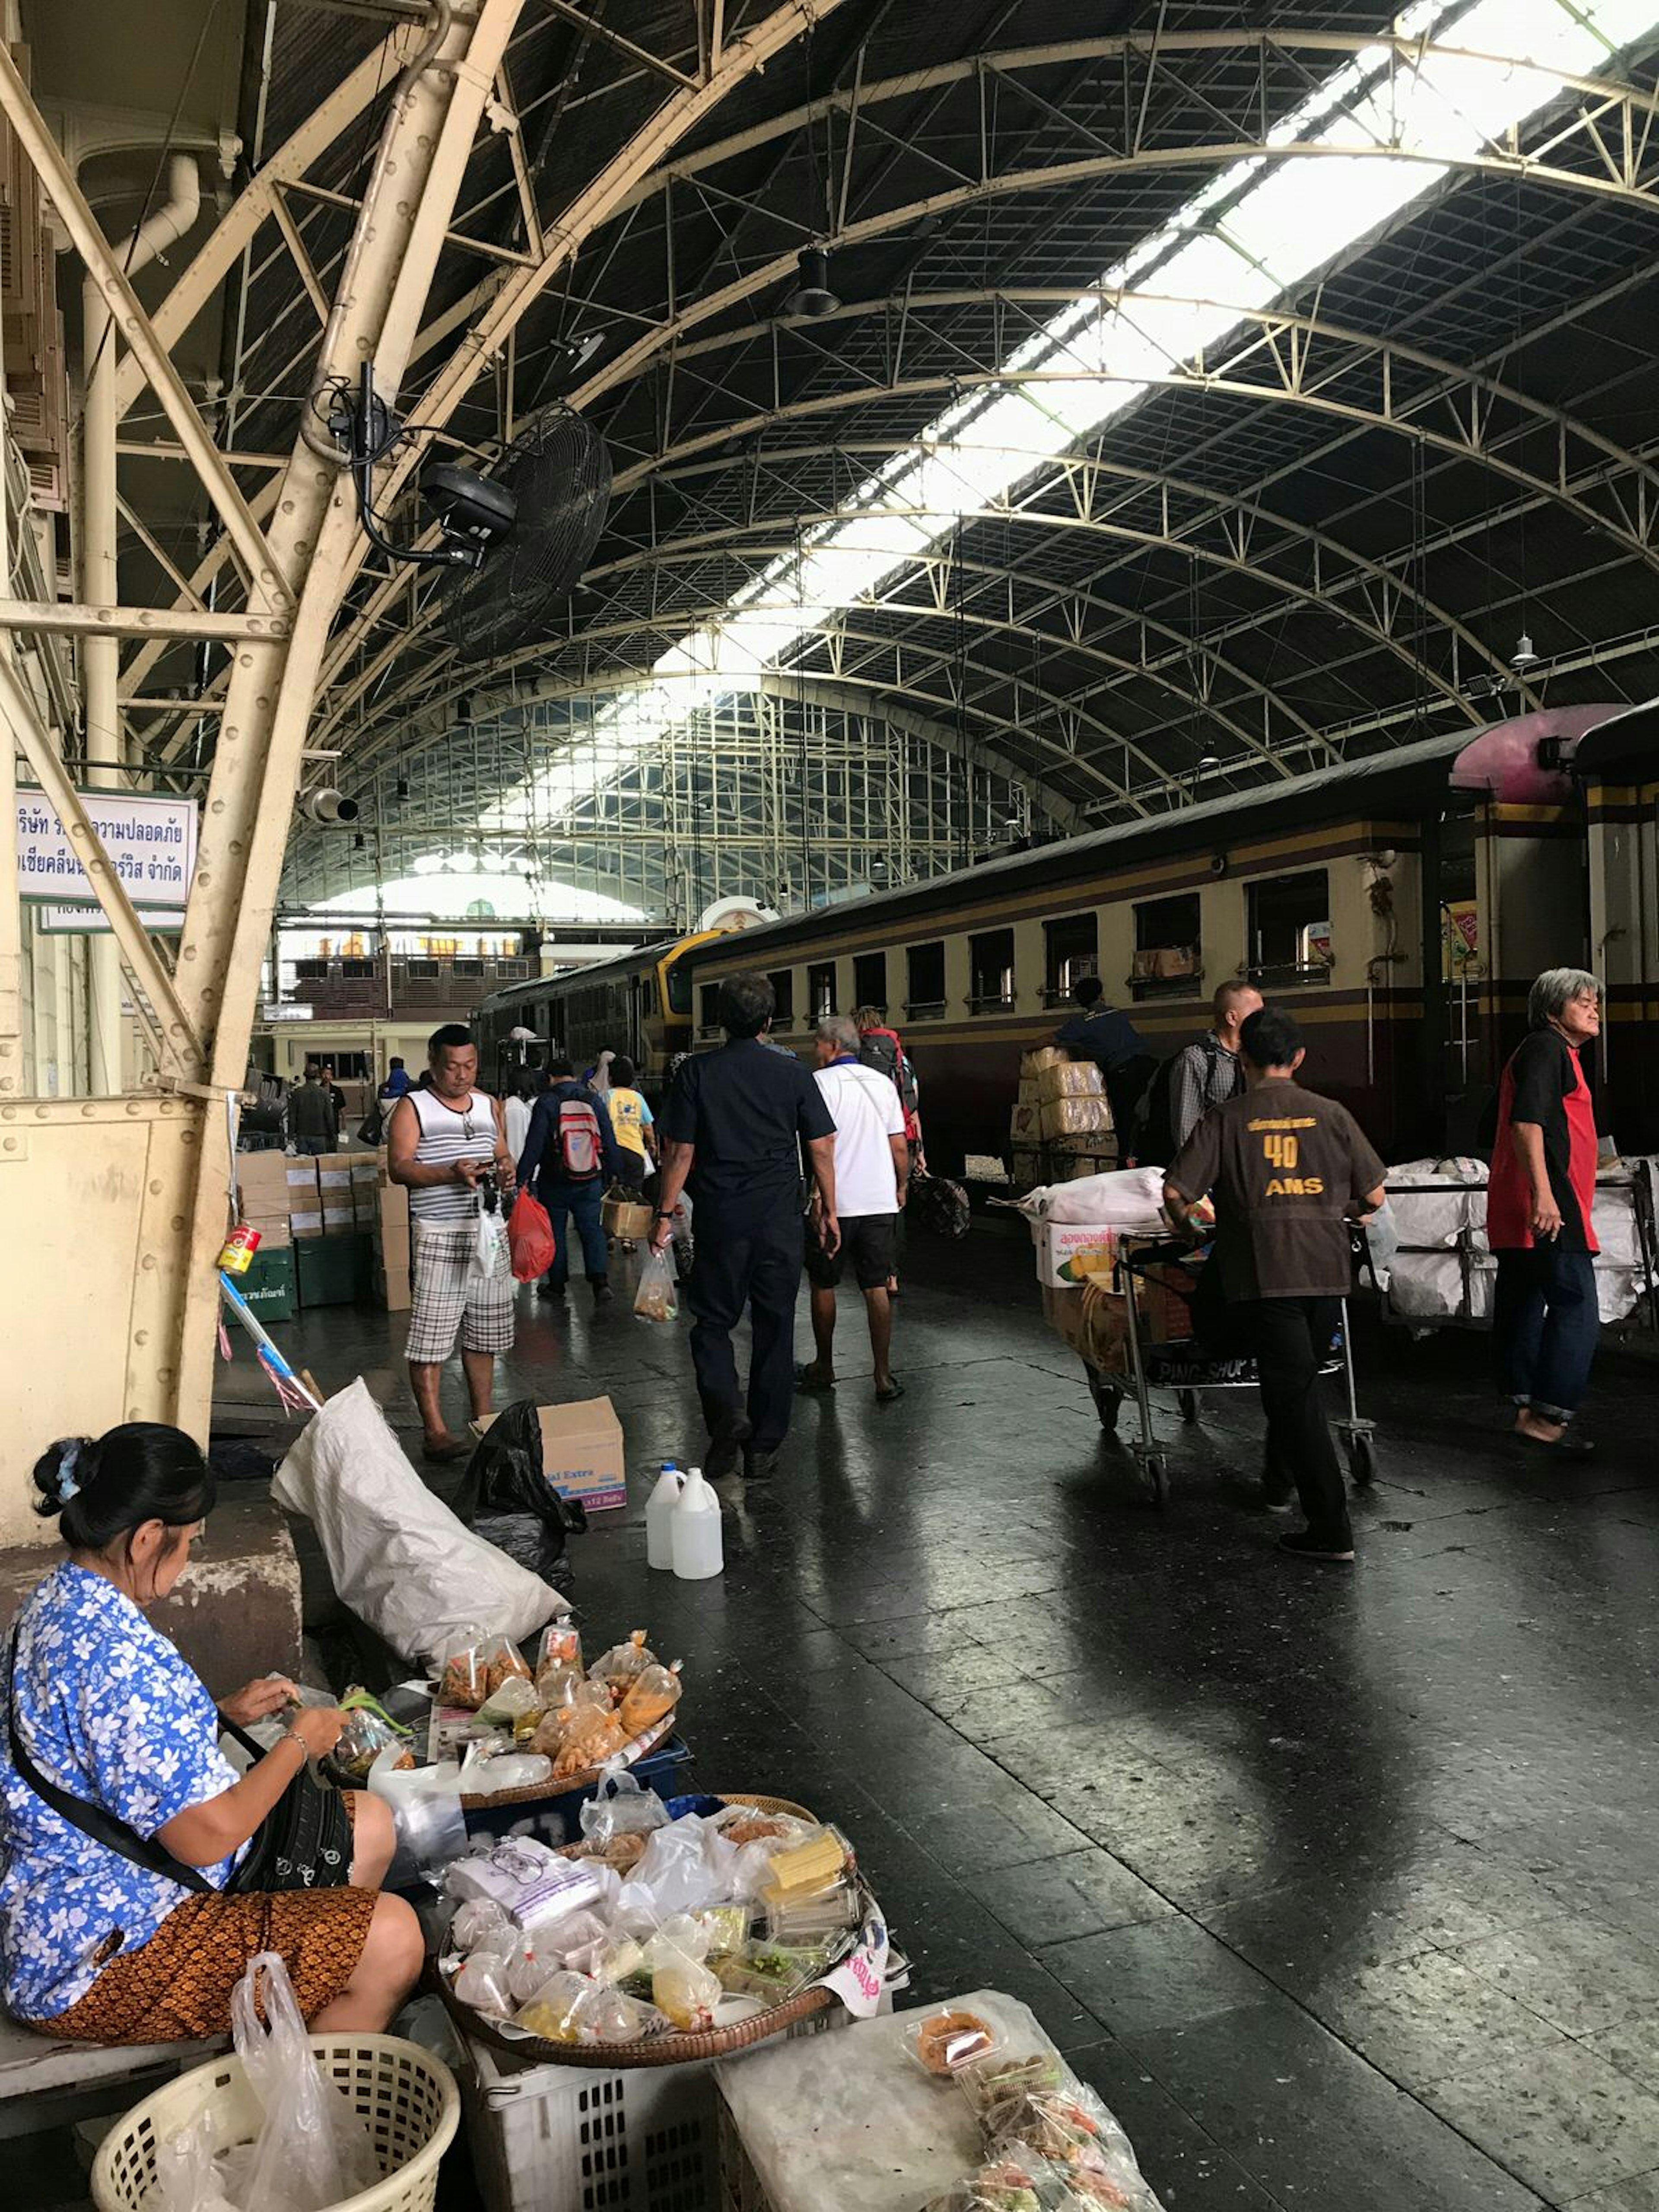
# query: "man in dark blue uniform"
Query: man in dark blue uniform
{"points": [[734, 1125]]}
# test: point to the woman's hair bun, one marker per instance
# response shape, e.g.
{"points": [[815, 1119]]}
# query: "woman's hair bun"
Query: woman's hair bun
{"points": [[62, 1471]]}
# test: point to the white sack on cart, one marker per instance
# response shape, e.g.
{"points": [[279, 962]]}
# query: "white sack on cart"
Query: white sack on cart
{"points": [[1127, 1198], [1427, 1286], [398, 1555], [1617, 1290]]}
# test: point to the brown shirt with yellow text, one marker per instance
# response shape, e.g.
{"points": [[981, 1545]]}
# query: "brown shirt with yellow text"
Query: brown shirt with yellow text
{"points": [[1286, 1166]]}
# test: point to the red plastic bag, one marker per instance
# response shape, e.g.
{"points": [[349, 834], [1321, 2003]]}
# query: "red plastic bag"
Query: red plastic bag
{"points": [[530, 1235]]}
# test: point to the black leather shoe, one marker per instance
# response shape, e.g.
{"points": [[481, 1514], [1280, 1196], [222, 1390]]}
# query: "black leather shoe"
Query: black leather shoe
{"points": [[549, 1291], [727, 1449], [603, 1293], [760, 1466]]}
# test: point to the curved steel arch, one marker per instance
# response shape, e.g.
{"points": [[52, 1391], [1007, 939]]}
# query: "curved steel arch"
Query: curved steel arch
{"points": [[1605, 98]]}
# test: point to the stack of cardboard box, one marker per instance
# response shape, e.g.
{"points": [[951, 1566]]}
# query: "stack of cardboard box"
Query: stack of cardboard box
{"points": [[269, 1283], [1061, 1124], [390, 1226]]}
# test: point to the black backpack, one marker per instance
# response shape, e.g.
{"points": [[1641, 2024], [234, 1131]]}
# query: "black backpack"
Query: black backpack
{"points": [[1155, 1142]]}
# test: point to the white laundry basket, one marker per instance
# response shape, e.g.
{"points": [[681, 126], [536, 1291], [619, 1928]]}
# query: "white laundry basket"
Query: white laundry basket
{"points": [[408, 2098]]}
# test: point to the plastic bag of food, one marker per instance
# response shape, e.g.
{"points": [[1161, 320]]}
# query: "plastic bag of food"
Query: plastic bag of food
{"points": [[462, 1670], [504, 1662], [686, 1864], [773, 1971], [1068, 2122], [312, 2150], [621, 1852], [622, 1805], [658, 1297], [561, 1646], [482, 1983], [487, 1774], [650, 1698], [515, 1698], [824, 1913], [366, 1734], [1004, 2185], [682, 1987], [572, 2009], [943, 2042], [617, 1666], [727, 1927], [746, 1824], [478, 1923]]}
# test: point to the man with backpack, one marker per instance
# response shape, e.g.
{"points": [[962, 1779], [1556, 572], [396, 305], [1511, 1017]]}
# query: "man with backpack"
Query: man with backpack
{"points": [[881, 1049], [1203, 1075], [571, 1158]]}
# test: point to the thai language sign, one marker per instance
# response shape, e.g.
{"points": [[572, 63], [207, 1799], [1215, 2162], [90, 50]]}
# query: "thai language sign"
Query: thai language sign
{"points": [[151, 843], [91, 920]]}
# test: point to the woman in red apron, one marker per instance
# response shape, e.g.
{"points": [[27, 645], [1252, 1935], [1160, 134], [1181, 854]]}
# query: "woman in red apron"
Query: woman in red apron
{"points": [[1539, 1214]]}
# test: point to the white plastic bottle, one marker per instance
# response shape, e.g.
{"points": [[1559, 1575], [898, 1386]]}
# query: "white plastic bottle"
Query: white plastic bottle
{"points": [[699, 1549], [659, 1516]]}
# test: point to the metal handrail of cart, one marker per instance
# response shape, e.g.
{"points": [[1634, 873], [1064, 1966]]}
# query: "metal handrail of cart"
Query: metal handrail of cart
{"points": [[1192, 1371]]}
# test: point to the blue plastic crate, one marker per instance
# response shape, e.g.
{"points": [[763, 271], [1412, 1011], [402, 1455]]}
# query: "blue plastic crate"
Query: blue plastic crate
{"points": [[557, 1820]]}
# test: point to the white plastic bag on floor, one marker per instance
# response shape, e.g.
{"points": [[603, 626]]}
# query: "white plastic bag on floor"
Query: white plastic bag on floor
{"points": [[398, 1555], [313, 2149]]}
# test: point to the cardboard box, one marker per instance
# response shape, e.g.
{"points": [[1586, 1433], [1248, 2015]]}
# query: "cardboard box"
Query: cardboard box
{"points": [[333, 1270], [625, 1215], [393, 1205], [582, 1452], [1069, 1253], [302, 1191], [308, 1223], [391, 1249], [1075, 1117], [1032, 1063], [1028, 1091], [1091, 1145], [393, 1289], [262, 1179], [334, 1176], [1025, 1124], [275, 1234], [1163, 963], [1165, 1295], [339, 1221]]}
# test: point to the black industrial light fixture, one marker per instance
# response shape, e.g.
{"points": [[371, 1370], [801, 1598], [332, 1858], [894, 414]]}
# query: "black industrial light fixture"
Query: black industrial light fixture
{"points": [[810, 295]]}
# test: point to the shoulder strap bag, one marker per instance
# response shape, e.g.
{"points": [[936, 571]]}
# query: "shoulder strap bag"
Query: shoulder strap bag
{"points": [[304, 1842]]}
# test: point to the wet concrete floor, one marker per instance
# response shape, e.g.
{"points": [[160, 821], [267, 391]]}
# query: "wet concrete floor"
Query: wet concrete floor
{"points": [[1340, 1887]]}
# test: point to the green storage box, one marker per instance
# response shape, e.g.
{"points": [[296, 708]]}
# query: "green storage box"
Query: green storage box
{"points": [[269, 1284], [334, 1271]]}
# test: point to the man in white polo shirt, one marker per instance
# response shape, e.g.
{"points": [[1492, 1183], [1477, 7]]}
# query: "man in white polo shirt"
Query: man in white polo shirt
{"points": [[873, 1166]]}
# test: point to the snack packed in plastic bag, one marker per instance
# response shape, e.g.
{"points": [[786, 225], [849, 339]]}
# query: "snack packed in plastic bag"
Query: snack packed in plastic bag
{"points": [[617, 1666], [1004, 2185], [462, 1670], [479, 1921], [1069, 2124], [572, 2009], [998, 2083], [745, 1824], [803, 1869], [482, 1983], [622, 1805], [561, 1646], [503, 1662], [515, 1698], [682, 1988], [366, 1734], [945, 2042], [657, 1298], [650, 1698], [621, 1852], [587, 1739], [825, 1912], [557, 1687]]}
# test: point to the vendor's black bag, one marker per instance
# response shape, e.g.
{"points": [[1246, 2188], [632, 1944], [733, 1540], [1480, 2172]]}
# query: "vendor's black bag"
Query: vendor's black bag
{"points": [[506, 1498], [938, 1206], [304, 1842], [371, 1130]]}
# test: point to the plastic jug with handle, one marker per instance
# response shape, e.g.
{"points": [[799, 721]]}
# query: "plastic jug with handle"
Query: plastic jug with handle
{"points": [[699, 1549], [659, 1516]]}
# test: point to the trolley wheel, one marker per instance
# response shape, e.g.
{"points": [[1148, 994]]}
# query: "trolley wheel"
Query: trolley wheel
{"points": [[1362, 1462], [1157, 1479], [1109, 1399], [1188, 1402]]}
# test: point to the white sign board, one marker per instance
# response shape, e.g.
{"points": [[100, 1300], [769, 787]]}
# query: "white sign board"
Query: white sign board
{"points": [[93, 921], [284, 1011], [151, 843]]}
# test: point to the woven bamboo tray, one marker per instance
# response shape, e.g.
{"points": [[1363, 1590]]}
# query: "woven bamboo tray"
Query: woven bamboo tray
{"points": [[658, 2050]]}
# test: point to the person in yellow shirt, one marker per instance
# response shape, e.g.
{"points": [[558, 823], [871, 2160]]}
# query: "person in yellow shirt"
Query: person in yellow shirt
{"points": [[632, 1125]]}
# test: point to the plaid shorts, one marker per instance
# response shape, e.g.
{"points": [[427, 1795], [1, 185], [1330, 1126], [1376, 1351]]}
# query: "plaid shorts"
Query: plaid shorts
{"points": [[453, 1299]]}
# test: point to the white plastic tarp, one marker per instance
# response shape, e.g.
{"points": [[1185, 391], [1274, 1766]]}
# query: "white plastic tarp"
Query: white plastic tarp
{"points": [[1127, 1198], [398, 1556]]}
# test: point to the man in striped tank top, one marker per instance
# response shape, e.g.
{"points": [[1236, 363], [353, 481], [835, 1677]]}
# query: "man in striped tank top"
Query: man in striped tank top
{"points": [[441, 1142]]}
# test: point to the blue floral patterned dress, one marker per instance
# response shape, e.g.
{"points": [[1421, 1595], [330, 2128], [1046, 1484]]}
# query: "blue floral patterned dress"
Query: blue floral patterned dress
{"points": [[108, 1711]]}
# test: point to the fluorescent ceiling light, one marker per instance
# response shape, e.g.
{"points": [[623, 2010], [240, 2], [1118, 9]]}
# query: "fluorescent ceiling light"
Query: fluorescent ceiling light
{"points": [[1241, 242]]}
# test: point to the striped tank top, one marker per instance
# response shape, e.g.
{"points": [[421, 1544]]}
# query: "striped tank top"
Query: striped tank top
{"points": [[444, 1139]]}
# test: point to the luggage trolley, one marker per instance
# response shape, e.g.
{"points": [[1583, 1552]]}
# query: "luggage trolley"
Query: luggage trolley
{"points": [[1184, 1368]]}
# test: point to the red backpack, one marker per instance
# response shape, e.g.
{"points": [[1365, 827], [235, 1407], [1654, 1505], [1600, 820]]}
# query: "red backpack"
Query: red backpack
{"points": [[882, 1050], [582, 1148]]}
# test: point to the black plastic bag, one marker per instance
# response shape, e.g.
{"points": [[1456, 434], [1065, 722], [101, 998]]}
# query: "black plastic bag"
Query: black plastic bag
{"points": [[506, 1499], [371, 1130], [938, 1206]]}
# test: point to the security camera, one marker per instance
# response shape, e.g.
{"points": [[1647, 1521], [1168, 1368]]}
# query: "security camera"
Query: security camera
{"points": [[326, 806]]}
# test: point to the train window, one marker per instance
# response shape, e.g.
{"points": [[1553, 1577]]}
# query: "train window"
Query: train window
{"points": [[1289, 929], [310, 971], [708, 1016], [358, 971], [991, 971], [463, 967], [1168, 959], [1071, 948], [821, 990], [422, 971], [926, 965], [679, 990], [782, 980], [870, 980]]}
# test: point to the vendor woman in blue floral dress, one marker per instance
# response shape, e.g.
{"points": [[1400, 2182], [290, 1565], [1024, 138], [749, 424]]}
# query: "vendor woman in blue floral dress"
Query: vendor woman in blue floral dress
{"points": [[138, 1875]]}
